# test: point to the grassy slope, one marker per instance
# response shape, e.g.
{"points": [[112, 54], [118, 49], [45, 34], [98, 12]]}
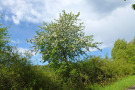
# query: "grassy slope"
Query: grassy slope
{"points": [[121, 84]]}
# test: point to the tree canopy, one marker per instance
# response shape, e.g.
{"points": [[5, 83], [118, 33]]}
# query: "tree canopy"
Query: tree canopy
{"points": [[4, 38], [63, 39], [124, 50], [119, 49]]}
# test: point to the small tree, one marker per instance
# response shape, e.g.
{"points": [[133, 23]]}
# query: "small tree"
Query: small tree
{"points": [[63, 39], [119, 49], [124, 50]]}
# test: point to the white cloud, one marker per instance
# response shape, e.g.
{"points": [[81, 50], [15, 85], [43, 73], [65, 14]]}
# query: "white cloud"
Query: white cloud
{"points": [[23, 50], [6, 18], [106, 20], [119, 24], [15, 20], [15, 42], [46, 10], [39, 10]]}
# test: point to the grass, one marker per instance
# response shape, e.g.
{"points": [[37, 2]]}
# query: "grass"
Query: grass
{"points": [[121, 84]]}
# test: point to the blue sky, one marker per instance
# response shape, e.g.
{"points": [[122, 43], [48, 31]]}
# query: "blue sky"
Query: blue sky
{"points": [[107, 20]]}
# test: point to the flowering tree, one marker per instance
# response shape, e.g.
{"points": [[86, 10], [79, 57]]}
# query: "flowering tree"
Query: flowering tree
{"points": [[63, 39]]}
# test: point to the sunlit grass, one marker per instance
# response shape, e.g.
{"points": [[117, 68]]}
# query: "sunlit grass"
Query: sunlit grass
{"points": [[121, 84]]}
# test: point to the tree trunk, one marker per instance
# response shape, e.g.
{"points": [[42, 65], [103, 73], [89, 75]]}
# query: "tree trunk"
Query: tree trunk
{"points": [[66, 61]]}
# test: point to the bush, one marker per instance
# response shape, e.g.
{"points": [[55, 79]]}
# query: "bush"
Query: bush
{"points": [[45, 78], [13, 68], [93, 70], [114, 70]]}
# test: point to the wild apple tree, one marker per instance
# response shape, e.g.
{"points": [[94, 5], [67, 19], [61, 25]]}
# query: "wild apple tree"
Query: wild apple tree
{"points": [[62, 40]]}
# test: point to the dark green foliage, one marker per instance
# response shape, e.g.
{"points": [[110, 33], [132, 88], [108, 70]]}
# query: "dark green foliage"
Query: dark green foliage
{"points": [[45, 79], [83, 74], [19, 74], [133, 6], [102, 71], [12, 70]]}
